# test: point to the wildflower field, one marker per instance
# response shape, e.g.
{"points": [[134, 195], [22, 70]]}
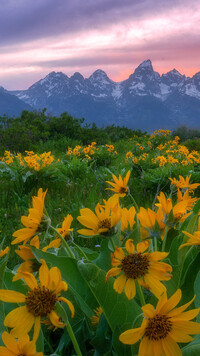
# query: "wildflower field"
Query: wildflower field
{"points": [[99, 249]]}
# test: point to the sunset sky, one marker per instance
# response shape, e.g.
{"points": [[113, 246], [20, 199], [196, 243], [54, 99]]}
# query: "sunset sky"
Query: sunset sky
{"points": [[40, 36]]}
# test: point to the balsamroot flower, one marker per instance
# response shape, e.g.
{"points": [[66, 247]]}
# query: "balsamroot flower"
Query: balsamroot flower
{"points": [[194, 240], [33, 221], [21, 347], [95, 318], [152, 221], [64, 231], [163, 327], [27, 255], [128, 218], [39, 302], [173, 214], [140, 266], [184, 183], [186, 197], [103, 220], [120, 186], [4, 252]]}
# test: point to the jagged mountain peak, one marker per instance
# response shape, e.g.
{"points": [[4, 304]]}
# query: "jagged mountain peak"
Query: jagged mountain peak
{"points": [[77, 76], [144, 71], [51, 80], [146, 65], [98, 76], [174, 73]]}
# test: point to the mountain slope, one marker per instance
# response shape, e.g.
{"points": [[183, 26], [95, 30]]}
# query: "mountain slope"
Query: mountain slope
{"points": [[10, 105]]}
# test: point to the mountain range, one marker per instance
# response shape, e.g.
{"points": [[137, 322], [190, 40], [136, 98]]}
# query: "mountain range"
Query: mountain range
{"points": [[146, 100]]}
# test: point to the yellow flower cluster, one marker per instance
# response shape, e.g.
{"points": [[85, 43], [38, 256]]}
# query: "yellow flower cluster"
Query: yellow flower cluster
{"points": [[30, 159], [85, 152], [169, 152]]}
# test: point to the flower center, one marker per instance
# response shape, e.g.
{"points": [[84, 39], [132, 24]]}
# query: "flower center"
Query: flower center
{"points": [[40, 301], [158, 327], [123, 190], [104, 224], [135, 265]]}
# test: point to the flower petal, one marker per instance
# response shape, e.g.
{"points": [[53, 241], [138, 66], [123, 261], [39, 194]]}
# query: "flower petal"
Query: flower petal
{"points": [[170, 347], [19, 319], [44, 274], [11, 296], [9, 342], [119, 284], [113, 272], [130, 246], [131, 336], [70, 305], [36, 329], [130, 289], [171, 302]]}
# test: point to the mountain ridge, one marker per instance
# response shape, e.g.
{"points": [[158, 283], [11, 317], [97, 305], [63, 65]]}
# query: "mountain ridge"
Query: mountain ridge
{"points": [[144, 100]]}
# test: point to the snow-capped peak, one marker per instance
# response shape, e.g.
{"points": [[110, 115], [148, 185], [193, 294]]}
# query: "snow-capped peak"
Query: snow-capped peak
{"points": [[100, 76], [146, 65]]}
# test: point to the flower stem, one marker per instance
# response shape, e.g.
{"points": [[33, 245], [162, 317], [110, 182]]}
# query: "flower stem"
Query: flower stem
{"points": [[134, 202], [182, 263], [64, 242], [112, 243], [155, 243], [80, 250], [140, 292], [61, 311], [165, 239]]}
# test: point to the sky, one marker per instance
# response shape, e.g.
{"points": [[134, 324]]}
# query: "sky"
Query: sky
{"points": [[41, 36]]}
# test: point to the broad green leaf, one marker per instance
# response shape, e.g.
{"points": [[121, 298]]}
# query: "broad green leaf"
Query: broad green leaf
{"points": [[40, 342], [118, 310], [102, 341], [196, 207], [188, 286], [197, 293], [104, 260]]}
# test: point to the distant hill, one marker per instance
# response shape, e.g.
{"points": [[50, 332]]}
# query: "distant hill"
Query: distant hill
{"points": [[10, 105]]}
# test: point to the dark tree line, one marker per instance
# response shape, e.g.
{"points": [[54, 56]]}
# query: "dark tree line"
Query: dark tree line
{"points": [[33, 130]]}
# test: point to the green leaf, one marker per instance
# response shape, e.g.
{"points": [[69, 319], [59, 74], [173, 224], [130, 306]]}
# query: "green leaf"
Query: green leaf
{"points": [[104, 260], [40, 342], [197, 293], [193, 348], [3, 264], [196, 207], [102, 341], [118, 310], [25, 176], [189, 280]]}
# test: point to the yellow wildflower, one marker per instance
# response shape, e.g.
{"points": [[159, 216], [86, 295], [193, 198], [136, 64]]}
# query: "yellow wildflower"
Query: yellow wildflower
{"points": [[39, 301], [140, 266], [32, 221], [23, 346], [163, 327], [120, 186]]}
